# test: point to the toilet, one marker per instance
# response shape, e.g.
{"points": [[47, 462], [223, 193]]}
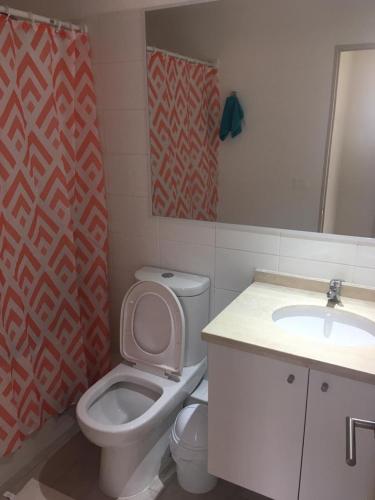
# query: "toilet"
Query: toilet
{"points": [[130, 411]]}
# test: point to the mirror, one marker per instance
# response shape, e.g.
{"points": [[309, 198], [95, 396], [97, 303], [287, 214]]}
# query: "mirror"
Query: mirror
{"points": [[303, 155]]}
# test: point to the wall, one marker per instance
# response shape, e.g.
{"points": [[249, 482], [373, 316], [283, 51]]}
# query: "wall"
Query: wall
{"points": [[227, 253], [77, 9], [355, 202], [278, 55]]}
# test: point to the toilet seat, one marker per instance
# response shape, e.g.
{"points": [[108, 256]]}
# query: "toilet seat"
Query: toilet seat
{"points": [[152, 328]]}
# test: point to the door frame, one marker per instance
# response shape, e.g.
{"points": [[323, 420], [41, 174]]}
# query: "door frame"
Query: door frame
{"points": [[339, 49]]}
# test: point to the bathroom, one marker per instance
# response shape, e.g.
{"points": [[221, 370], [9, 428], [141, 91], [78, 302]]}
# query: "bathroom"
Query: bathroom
{"points": [[273, 224]]}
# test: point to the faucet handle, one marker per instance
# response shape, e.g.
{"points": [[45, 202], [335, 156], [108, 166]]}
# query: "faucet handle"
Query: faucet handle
{"points": [[336, 282], [334, 292]]}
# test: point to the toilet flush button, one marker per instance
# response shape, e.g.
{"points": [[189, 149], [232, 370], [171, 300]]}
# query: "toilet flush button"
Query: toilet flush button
{"points": [[167, 275]]}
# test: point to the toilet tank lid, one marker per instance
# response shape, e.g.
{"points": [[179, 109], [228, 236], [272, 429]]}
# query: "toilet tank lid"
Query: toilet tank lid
{"points": [[183, 284]]}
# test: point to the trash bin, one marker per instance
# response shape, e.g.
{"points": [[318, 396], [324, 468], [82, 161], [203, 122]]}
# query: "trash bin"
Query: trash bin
{"points": [[189, 448]]}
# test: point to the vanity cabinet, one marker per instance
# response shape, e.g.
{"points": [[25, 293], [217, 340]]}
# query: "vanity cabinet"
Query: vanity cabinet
{"points": [[280, 429], [325, 474], [256, 417]]}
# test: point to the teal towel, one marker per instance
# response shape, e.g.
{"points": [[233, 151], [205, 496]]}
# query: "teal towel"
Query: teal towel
{"points": [[232, 117]]}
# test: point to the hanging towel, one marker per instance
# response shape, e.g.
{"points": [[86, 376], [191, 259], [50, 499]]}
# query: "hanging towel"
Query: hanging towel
{"points": [[232, 117]]}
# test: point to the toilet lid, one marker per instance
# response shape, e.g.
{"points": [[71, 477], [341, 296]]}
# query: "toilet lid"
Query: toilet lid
{"points": [[152, 327]]}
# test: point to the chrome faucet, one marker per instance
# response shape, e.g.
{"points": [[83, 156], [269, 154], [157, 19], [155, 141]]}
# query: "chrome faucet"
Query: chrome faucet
{"points": [[334, 293]]}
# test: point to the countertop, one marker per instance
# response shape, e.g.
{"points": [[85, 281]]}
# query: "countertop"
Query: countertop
{"points": [[247, 324]]}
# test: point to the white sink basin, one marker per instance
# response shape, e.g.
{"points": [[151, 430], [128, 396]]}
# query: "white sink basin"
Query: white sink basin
{"points": [[333, 326]]}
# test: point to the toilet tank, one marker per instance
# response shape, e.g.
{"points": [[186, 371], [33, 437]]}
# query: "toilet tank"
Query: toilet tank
{"points": [[193, 293]]}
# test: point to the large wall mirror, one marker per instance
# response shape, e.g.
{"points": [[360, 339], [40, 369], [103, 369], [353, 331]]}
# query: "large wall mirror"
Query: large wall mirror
{"points": [[302, 155]]}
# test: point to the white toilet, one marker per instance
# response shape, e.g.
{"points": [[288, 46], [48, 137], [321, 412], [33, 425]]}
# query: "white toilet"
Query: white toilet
{"points": [[130, 411]]}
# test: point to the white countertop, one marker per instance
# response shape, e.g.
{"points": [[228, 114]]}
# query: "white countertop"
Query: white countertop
{"points": [[247, 324]]}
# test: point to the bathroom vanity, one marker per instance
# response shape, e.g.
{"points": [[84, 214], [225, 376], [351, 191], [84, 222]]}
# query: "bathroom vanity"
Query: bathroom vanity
{"points": [[279, 399]]}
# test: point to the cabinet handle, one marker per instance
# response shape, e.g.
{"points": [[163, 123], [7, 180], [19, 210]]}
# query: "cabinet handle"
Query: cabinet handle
{"points": [[291, 379], [351, 424], [324, 387]]}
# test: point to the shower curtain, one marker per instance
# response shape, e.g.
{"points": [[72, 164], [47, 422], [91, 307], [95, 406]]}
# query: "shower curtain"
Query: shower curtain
{"points": [[54, 336], [184, 107]]}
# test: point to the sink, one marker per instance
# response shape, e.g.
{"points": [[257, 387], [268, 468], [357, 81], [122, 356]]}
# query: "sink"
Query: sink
{"points": [[333, 326]]}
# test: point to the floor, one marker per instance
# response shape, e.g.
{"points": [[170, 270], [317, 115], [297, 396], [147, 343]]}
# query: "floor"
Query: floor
{"points": [[73, 471]]}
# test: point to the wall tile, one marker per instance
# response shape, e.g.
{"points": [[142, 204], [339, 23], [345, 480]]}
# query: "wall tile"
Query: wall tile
{"points": [[129, 254], [138, 219], [100, 118], [222, 299], [124, 131], [117, 206], [365, 255], [234, 269], [118, 37], [310, 235], [364, 276], [317, 249], [127, 174], [120, 281], [116, 174], [115, 301], [315, 269], [188, 257], [202, 233], [131, 216], [121, 85], [250, 239]]}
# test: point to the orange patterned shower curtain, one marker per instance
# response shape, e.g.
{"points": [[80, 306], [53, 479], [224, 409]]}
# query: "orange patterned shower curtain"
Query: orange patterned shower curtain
{"points": [[54, 336], [184, 106]]}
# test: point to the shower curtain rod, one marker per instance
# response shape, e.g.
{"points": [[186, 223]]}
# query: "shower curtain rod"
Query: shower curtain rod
{"points": [[35, 18], [185, 58]]}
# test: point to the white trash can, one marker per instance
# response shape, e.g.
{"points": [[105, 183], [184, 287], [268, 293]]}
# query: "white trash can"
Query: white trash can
{"points": [[189, 448]]}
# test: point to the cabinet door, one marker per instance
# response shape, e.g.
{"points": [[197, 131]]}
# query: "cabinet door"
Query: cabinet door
{"points": [[325, 473], [256, 421]]}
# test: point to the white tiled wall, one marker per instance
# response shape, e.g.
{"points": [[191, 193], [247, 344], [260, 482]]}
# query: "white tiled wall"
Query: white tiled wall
{"points": [[227, 253]]}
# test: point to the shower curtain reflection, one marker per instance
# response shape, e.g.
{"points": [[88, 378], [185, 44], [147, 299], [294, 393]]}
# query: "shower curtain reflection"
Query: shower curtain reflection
{"points": [[184, 107]]}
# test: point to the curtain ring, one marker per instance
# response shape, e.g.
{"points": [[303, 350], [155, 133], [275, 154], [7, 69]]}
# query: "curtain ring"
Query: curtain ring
{"points": [[59, 25], [32, 19], [7, 11]]}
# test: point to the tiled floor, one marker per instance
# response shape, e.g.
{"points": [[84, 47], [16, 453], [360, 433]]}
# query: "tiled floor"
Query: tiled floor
{"points": [[73, 470], [223, 491]]}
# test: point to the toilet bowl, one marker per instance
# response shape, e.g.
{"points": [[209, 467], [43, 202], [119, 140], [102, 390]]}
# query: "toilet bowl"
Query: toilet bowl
{"points": [[129, 412]]}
